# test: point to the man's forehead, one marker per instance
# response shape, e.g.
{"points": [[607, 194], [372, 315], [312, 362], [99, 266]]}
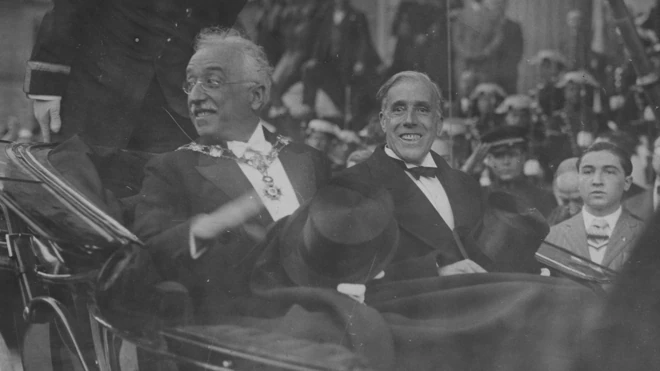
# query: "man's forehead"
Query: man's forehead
{"points": [[219, 58], [600, 159], [410, 90]]}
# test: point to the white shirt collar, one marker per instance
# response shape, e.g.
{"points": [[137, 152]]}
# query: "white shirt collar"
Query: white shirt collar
{"points": [[611, 219], [257, 142], [428, 160]]}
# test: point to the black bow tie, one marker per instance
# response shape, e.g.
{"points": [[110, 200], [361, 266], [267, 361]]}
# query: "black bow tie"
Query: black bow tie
{"points": [[422, 171]]}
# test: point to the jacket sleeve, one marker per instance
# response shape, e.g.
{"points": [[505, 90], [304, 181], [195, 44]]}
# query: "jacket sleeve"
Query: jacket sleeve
{"points": [[161, 218], [57, 44]]}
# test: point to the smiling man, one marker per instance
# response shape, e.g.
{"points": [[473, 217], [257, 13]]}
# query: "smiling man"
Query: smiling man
{"points": [[204, 206], [434, 204], [604, 231]]}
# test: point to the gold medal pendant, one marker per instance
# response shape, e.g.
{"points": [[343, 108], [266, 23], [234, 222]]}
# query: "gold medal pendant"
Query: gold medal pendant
{"points": [[271, 191]]}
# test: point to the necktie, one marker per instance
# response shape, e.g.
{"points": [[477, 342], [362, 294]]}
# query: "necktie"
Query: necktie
{"points": [[598, 234], [422, 171]]}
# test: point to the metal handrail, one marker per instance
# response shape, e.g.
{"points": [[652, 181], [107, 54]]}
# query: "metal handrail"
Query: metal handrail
{"points": [[152, 346], [62, 314]]}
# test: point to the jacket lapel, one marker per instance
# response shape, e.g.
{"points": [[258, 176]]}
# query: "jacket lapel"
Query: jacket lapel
{"points": [[621, 238], [299, 169], [576, 236], [227, 176], [454, 192], [413, 210]]}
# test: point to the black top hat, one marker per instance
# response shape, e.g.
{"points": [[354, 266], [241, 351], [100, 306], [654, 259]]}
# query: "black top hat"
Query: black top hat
{"points": [[507, 135], [511, 232], [346, 234]]}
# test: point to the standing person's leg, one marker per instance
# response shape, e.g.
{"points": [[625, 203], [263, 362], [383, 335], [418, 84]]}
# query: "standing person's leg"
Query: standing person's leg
{"points": [[95, 112], [159, 128]]}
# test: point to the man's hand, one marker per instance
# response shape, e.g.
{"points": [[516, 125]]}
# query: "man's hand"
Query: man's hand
{"points": [[47, 113], [461, 267], [477, 157], [358, 68], [227, 216]]}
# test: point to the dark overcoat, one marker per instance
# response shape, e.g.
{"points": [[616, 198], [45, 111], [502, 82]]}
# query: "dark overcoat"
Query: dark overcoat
{"points": [[426, 240], [182, 184]]}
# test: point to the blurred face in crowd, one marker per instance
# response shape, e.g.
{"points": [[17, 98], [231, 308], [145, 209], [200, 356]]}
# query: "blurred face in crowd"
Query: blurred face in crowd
{"points": [[567, 192], [518, 117], [549, 70], [339, 151], [572, 93], [655, 161], [318, 140], [467, 83], [507, 162], [222, 101], [485, 103], [410, 119], [443, 148], [497, 6], [602, 182]]}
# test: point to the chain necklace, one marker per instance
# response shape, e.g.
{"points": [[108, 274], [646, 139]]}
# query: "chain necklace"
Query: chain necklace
{"points": [[254, 159]]}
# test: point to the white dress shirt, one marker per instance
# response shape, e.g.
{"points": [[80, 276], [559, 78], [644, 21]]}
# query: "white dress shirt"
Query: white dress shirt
{"points": [[597, 255], [431, 187], [286, 204]]}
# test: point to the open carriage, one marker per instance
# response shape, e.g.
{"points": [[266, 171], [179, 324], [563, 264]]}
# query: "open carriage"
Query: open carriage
{"points": [[59, 236]]}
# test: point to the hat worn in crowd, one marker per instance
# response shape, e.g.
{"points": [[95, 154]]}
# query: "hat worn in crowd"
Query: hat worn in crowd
{"points": [[549, 55], [346, 234], [322, 126], [505, 136], [453, 126], [517, 102], [488, 88], [578, 77], [348, 136]]}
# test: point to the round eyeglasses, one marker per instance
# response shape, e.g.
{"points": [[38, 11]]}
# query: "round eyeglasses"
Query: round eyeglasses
{"points": [[208, 84]]}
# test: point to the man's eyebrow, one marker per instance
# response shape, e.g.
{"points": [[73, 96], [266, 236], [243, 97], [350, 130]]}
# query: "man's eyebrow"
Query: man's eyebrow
{"points": [[589, 167], [611, 167], [210, 68], [414, 103]]}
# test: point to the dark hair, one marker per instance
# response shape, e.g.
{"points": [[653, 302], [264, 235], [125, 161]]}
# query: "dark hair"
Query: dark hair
{"points": [[622, 139], [626, 164]]}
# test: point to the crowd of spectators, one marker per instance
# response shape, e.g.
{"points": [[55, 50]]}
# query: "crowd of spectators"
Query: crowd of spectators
{"points": [[524, 142]]}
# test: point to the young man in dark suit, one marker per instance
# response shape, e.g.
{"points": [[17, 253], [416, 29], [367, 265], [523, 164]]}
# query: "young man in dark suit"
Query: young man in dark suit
{"points": [[604, 231], [204, 206], [111, 70], [434, 204]]}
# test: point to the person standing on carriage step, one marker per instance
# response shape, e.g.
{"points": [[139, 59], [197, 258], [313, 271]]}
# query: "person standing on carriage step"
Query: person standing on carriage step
{"points": [[605, 231], [111, 70], [204, 206], [434, 204]]}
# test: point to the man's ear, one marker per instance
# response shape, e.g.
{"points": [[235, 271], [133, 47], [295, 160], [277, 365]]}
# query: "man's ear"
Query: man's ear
{"points": [[627, 183], [441, 122], [258, 97], [381, 119]]}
